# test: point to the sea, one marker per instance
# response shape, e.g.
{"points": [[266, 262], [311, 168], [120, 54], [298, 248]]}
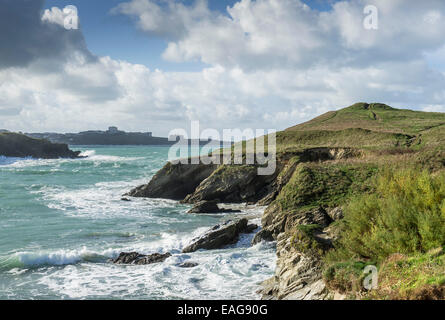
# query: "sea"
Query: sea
{"points": [[61, 221]]}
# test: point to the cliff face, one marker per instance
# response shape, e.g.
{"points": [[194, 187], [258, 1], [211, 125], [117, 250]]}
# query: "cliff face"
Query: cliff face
{"points": [[19, 145], [320, 166], [174, 181]]}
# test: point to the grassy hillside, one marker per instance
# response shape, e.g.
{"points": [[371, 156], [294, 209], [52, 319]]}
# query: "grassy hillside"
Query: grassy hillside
{"points": [[328, 211], [370, 127], [376, 117], [390, 189]]}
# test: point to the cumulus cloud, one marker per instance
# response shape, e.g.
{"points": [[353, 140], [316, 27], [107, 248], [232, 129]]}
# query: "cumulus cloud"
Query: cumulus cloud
{"points": [[165, 18], [25, 36], [288, 33], [273, 63]]}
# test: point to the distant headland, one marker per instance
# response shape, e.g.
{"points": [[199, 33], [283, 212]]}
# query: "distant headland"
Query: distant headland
{"points": [[112, 136]]}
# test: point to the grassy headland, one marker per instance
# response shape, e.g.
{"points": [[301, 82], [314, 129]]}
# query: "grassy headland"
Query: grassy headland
{"points": [[364, 185], [392, 193]]}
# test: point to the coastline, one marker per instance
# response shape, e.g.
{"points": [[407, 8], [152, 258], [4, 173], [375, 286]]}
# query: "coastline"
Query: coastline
{"points": [[79, 203]]}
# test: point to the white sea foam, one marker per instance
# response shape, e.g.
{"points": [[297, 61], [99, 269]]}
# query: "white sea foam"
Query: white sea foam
{"points": [[230, 274], [103, 200], [90, 155], [87, 153], [4, 161], [24, 162], [105, 226], [56, 258]]}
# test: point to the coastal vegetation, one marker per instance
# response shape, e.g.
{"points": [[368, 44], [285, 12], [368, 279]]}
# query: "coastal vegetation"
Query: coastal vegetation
{"points": [[400, 227], [364, 185]]}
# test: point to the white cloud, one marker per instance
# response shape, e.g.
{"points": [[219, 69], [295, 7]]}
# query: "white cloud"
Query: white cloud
{"points": [[288, 33], [165, 18], [273, 63]]}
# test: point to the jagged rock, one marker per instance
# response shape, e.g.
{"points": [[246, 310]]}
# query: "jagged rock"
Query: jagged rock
{"points": [[315, 216], [20, 145], [205, 207], [210, 207], [250, 228], [174, 181], [262, 235], [188, 265], [297, 275], [219, 236], [140, 259], [285, 173], [335, 214], [275, 222], [233, 184]]}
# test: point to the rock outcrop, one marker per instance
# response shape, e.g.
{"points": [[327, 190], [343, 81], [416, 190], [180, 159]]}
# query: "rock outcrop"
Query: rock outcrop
{"points": [[210, 207], [140, 259], [174, 181], [193, 183], [321, 164], [275, 222], [187, 265], [233, 184], [300, 236], [20, 146], [335, 213], [298, 274], [220, 236]]}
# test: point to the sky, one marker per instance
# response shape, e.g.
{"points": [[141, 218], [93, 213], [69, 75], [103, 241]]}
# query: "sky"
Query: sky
{"points": [[157, 65]]}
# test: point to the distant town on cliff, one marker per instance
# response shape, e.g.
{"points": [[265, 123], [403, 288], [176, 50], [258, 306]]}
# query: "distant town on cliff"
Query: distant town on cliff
{"points": [[112, 136]]}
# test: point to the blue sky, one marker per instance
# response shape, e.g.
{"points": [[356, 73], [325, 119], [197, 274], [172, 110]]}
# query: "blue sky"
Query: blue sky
{"points": [[271, 65], [116, 36]]}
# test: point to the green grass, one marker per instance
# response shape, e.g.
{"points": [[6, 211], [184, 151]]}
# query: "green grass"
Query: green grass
{"points": [[313, 185], [420, 276], [303, 239], [400, 227], [400, 277], [346, 277], [291, 141], [375, 117], [392, 191]]}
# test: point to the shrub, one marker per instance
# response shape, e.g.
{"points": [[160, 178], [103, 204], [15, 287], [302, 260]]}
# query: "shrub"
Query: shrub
{"points": [[405, 214]]}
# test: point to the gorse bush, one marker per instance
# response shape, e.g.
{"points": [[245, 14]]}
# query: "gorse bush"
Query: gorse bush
{"points": [[405, 214]]}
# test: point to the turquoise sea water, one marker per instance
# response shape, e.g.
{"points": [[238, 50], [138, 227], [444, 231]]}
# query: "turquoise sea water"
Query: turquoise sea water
{"points": [[61, 220]]}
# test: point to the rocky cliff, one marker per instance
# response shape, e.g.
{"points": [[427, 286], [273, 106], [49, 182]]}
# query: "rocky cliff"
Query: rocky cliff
{"points": [[320, 166], [19, 145]]}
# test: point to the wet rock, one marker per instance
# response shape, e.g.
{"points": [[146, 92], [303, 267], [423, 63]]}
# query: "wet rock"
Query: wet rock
{"points": [[263, 235], [219, 236], [205, 207], [250, 228], [188, 265], [125, 199], [210, 207], [140, 259]]}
